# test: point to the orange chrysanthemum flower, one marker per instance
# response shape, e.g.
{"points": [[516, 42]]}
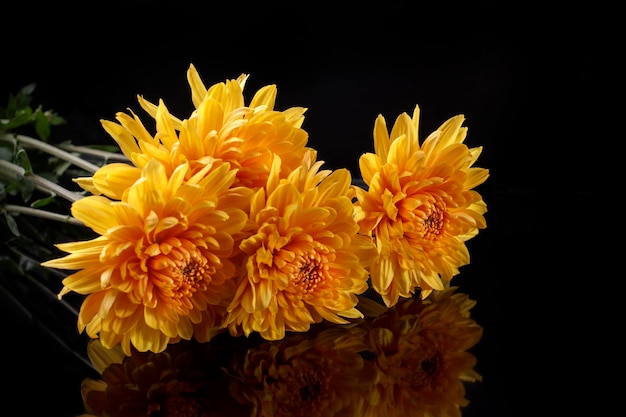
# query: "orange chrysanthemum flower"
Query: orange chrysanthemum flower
{"points": [[421, 349], [320, 373], [184, 380], [420, 205], [160, 269], [221, 129], [304, 261]]}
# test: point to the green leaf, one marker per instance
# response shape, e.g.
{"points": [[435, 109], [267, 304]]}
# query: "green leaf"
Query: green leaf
{"points": [[12, 224], [22, 160], [20, 118], [13, 187], [42, 202], [42, 125], [27, 188], [27, 91], [60, 167], [18, 102], [56, 120]]}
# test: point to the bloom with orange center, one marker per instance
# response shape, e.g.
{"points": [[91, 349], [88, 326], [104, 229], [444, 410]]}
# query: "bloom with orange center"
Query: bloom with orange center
{"points": [[304, 260], [420, 205], [320, 373], [184, 380], [221, 129], [160, 269], [421, 349]]}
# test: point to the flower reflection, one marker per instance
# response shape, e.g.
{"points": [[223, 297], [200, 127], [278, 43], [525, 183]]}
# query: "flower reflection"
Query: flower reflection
{"points": [[421, 354]]}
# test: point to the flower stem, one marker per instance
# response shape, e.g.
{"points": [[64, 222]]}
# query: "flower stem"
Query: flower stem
{"points": [[39, 181], [63, 218], [52, 150], [107, 156]]}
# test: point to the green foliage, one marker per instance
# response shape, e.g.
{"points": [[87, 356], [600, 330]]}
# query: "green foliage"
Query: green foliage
{"points": [[15, 163], [28, 238], [21, 164], [24, 166], [18, 113]]}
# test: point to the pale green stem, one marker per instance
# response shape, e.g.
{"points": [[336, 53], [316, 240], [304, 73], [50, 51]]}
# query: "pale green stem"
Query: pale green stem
{"points": [[40, 182], [52, 150], [109, 156], [63, 218]]}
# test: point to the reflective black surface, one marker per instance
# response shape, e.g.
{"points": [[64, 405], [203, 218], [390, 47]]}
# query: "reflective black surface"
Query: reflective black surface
{"points": [[532, 97]]}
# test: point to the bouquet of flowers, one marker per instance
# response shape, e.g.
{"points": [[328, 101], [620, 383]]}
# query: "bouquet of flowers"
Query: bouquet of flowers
{"points": [[221, 270]]}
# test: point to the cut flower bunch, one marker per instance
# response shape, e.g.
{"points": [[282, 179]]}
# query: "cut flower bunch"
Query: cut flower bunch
{"points": [[225, 271]]}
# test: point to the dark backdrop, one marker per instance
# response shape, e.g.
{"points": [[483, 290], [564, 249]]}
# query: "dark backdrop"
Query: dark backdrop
{"points": [[526, 78]]}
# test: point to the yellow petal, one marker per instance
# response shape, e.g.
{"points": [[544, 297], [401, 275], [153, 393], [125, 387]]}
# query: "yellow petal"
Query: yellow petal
{"points": [[95, 212]]}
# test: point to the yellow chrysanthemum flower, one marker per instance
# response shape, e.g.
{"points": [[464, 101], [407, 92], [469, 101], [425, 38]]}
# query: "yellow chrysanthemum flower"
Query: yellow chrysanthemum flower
{"points": [[186, 379], [160, 269], [222, 128], [314, 374], [420, 205], [421, 349], [304, 261]]}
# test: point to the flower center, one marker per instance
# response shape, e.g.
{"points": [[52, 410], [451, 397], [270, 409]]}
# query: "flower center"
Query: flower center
{"points": [[179, 275], [189, 275], [310, 386], [172, 401], [310, 273], [425, 366], [432, 220], [303, 392]]}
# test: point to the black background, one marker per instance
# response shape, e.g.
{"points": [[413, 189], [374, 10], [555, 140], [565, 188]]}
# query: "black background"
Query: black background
{"points": [[531, 80]]}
